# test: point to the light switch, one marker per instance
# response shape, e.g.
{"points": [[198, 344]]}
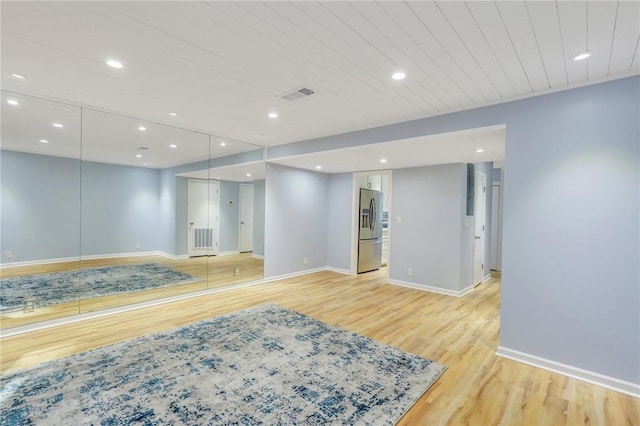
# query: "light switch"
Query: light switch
{"points": [[467, 222], [398, 219]]}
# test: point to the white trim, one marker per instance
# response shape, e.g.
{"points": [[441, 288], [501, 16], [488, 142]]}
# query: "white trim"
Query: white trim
{"points": [[257, 256], [39, 262], [173, 256], [430, 289], [91, 257], [627, 388], [338, 270], [121, 309], [228, 253], [486, 278], [117, 255], [293, 274]]}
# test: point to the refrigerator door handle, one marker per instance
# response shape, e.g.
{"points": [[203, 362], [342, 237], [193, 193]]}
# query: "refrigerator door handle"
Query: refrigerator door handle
{"points": [[372, 213]]}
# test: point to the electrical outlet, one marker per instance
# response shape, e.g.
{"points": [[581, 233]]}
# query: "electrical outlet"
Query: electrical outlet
{"points": [[305, 260], [410, 272], [8, 255], [137, 246], [236, 272]]}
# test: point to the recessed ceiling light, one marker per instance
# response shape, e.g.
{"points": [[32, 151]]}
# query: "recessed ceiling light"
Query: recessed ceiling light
{"points": [[173, 145], [173, 114], [58, 125], [223, 143], [581, 55], [248, 175], [318, 167], [383, 160], [480, 150], [114, 64], [259, 135], [12, 102], [398, 75], [139, 155], [18, 76], [273, 115], [142, 128], [44, 141]]}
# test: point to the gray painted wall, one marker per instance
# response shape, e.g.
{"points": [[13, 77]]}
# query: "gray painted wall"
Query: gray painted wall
{"points": [[120, 207], [40, 211], [297, 204], [47, 214], [339, 221], [429, 238], [258, 217], [571, 280], [571, 202]]}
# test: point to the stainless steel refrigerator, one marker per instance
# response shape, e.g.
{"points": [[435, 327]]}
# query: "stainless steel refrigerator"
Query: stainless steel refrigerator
{"points": [[370, 236]]}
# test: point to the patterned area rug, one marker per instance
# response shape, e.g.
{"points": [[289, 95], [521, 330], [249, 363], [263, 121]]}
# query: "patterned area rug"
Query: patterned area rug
{"points": [[50, 289], [261, 366]]}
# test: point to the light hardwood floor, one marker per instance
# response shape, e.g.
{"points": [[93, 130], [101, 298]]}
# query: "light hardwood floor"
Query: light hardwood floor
{"points": [[214, 272], [478, 387]]}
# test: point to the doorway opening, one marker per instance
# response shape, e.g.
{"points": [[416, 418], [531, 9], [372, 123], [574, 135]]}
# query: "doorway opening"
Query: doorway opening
{"points": [[370, 239]]}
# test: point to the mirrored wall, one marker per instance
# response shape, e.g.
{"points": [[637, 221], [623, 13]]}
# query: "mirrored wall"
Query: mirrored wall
{"points": [[100, 210]]}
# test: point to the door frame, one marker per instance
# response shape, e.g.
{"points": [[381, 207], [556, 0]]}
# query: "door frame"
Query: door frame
{"points": [[480, 182], [240, 207]]}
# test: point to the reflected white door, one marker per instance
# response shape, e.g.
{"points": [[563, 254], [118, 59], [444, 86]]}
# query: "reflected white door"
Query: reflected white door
{"points": [[479, 226], [246, 218], [203, 205]]}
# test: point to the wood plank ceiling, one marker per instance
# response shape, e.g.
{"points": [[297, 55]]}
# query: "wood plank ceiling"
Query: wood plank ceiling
{"points": [[222, 66]]}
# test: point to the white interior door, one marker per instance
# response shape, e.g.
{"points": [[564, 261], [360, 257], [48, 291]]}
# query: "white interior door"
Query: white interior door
{"points": [[203, 208], [479, 226], [495, 228], [246, 218]]}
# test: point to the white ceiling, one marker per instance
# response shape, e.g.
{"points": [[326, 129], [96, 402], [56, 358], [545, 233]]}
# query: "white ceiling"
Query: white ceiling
{"points": [[221, 66], [246, 172], [454, 147]]}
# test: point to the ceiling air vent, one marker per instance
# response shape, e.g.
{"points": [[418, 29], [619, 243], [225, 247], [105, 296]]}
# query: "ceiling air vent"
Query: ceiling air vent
{"points": [[142, 148], [297, 94]]}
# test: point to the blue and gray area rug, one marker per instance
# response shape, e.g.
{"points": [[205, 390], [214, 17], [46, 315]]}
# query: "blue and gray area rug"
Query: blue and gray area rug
{"points": [[60, 287], [261, 366]]}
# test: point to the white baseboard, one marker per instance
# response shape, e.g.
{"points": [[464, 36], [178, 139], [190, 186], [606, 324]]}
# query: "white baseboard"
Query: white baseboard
{"points": [[39, 262], [627, 388], [338, 270], [486, 278], [293, 274], [439, 290], [173, 256], [116, 255], [257, 256], [228, 253]]}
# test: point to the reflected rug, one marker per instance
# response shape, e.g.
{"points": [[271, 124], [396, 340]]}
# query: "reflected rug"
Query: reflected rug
{"points": [[60, 287], [262, 366]]}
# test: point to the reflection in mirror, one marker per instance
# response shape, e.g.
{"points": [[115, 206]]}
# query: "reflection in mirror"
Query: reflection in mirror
{"points": [[225, 212], [128, 210], [40, 210], [108, 209]]}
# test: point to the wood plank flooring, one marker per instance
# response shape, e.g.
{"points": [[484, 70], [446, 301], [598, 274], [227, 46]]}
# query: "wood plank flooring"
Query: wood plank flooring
{"points": [[478, 388], [214, 271]]}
